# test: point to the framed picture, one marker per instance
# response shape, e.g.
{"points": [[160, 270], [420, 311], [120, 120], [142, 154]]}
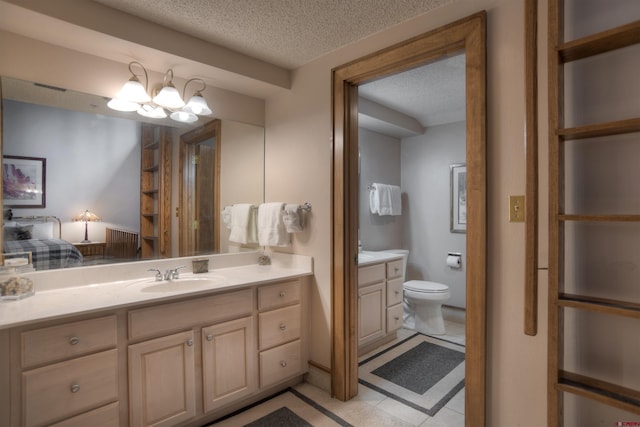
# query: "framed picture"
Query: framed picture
{"points": [[458, 198], [23, 181]]}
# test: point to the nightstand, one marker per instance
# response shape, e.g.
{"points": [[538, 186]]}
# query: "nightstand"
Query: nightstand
{"points": [[91, 249]]}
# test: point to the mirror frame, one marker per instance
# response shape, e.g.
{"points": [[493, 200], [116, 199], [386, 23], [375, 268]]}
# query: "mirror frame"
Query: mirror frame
{"points": [[467, 35]]}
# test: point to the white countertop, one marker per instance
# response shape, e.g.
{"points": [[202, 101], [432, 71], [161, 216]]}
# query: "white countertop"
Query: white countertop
{"points": [[375, 257], [57, 302]]}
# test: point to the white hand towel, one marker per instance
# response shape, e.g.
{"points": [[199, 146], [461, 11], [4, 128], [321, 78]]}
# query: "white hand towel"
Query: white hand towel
{"points": [[271, 229], [395, 200], [385, 199], [243, 224], [293, 218], [226, 216]]}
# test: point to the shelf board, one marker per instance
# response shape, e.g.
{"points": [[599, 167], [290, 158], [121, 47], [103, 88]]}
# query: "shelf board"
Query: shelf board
{"points": [[600, 129], [599, 218], [150, 237], [153, 168], [149, 215], [601, 391], [152, 146], [601, 305], [150, 192], [602, 42]]}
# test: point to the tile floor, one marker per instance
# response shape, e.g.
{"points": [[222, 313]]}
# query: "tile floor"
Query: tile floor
{"points": [[373, 409]]}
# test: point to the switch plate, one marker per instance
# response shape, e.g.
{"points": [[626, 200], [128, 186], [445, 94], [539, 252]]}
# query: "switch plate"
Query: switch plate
{"points": [[516, 208]]}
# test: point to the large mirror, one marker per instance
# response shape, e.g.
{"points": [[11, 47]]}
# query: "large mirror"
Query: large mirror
{"points": [[66, 153]]}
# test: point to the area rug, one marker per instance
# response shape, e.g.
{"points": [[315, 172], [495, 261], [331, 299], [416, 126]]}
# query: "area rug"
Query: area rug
{"points": [[289, 408], [420, 371]]}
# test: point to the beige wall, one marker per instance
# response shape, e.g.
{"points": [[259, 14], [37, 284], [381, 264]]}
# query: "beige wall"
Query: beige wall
{"points": [[298, 169], [298, 127]]}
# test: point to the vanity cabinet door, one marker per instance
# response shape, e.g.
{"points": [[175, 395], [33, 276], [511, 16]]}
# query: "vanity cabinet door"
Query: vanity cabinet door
{"points": [[228, 362], [162, 381], [371, 312]]}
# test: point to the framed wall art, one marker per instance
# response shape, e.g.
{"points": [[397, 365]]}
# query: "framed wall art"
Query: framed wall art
{"points": [[458, 198], [23, 181]]}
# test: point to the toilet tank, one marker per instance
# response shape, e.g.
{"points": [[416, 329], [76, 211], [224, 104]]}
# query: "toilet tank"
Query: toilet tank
{"points": [[405, 257]]}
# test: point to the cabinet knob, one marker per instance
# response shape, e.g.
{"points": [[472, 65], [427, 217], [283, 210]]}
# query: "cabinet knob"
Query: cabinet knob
{"points": [[283, 326], [397, 292], [282, 294], [75, 388], [396, 269], [209, 337], [283, 363], [396, 318], [74, 340], [189, 342]]}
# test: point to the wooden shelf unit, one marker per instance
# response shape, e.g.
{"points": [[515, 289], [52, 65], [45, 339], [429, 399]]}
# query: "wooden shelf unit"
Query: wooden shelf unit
{"points": [[561, 381], [155, 192]]}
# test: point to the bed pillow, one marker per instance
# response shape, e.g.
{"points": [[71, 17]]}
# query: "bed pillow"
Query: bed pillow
{"points": [[24, 232], [43, 230]]}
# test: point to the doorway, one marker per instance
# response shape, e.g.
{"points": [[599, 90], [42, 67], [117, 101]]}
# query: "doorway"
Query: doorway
{"points": [[199, 180], [469, 37]]}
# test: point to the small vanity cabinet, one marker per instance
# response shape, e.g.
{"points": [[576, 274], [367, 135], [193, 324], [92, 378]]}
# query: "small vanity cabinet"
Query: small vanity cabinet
{"points": [[280, 325], [68, 370], [379, 303], [181, 361]]}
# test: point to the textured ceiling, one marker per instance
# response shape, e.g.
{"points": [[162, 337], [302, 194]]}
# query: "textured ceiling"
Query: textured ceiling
{"points": [[288, 33], [433, 94], [291, 33]]}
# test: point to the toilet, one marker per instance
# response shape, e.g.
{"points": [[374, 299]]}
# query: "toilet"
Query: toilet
{"points": [[423, 301]]}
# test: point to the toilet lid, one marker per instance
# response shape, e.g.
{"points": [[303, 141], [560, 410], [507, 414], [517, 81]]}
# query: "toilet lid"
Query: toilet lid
{"points": [[424, 286]]}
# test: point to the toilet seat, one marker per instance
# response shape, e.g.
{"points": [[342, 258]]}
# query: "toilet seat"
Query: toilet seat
{"points": [[426, 287]]}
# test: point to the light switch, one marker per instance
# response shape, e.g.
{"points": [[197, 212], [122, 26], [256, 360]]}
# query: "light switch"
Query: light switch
{"points": [[516, 208]]}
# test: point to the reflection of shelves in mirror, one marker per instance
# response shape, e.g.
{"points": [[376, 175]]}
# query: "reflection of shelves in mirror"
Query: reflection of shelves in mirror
{"points": [[155, 191], [152, 146], [153, 168]]}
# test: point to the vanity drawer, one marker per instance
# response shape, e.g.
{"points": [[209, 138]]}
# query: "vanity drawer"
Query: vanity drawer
{"points": [[394, 269], [107, 416], [394, 318], [278, 295], [394, 291], [371, 274], [68, 340], [67, 388], [279, 326], [177, 316], [280, 363]]}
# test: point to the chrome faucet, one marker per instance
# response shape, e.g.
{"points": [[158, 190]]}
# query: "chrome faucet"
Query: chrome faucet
{"points": [[172, 273], [158, 274]]}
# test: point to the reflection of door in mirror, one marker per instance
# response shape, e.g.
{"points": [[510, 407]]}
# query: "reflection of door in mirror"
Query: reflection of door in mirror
{"points": [[200, 190]]}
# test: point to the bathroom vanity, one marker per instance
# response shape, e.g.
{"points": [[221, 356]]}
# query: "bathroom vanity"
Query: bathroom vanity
{"points": [[379, 298], [139, 352]]}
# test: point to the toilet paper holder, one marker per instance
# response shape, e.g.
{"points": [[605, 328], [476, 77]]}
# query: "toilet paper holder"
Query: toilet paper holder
{"points": [[454, 259]]}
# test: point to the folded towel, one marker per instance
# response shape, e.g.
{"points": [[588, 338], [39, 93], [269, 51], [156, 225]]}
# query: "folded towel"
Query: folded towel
{"points": [[226, 216], [385, 199], [292, 218], [271, 229], [243, 224]]}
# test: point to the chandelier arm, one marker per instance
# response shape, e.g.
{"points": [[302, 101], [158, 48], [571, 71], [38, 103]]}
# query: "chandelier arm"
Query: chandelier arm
{"points": [[164, 80], [195, 79], [144, 70]]}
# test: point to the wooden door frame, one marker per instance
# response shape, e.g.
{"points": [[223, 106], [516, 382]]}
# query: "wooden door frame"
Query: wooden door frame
{"points": [[467, 35], [211, 129]]}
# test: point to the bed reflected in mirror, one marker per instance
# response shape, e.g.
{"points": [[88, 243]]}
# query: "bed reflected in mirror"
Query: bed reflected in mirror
{"points": [[94, 162]]}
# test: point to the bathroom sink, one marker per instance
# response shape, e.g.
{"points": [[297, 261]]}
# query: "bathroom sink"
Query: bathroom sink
{"points": [[182, 284]]}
